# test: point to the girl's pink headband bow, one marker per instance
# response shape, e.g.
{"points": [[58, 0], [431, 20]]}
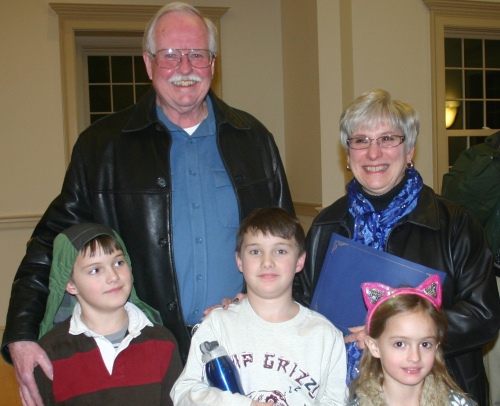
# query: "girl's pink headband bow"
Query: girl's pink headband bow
{"points": [[375, 293]]}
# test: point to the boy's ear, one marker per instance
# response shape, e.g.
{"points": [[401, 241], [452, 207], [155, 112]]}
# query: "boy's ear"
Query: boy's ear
{"points": [[71, 289], [239, 262], [300, 262], [372, 346]]}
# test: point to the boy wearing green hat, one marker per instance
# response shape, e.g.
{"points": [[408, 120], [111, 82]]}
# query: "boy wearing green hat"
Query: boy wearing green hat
{"points": [[109, 351]]}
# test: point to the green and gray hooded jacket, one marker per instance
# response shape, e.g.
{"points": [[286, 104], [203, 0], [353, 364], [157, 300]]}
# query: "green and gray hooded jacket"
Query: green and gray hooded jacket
{"points": [[67, 244]]}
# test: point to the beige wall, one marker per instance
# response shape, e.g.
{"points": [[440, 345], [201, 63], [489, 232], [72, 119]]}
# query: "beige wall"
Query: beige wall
{"points": [[383, 43], [301, 99], [391, 43], [360, 45], [294, 64]]}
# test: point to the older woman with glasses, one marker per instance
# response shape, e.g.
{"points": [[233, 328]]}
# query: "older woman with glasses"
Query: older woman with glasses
{"points": [[389, 208]]}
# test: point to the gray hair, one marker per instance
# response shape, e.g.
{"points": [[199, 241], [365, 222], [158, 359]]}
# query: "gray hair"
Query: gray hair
{"points": [[148, 41], [376, 107]]}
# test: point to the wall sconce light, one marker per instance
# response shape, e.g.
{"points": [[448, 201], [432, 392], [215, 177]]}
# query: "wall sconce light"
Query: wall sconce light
{"points": [[451, 112]]}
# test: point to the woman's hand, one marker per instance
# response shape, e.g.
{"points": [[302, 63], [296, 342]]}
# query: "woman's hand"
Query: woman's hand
{"points": [[358, 335]]}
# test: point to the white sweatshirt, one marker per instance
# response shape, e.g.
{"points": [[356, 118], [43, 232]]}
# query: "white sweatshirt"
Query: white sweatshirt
{"points": [[295, 363]]}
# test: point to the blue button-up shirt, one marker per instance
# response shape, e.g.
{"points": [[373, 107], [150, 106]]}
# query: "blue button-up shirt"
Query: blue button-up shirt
{"points": [[204, 216]]}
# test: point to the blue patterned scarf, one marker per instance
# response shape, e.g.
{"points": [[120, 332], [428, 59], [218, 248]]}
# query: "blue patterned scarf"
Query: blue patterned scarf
{"points": [[372, 227]]}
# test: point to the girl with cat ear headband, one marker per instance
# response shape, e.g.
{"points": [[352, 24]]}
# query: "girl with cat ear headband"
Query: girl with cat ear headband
{"points": [[403, 362]]}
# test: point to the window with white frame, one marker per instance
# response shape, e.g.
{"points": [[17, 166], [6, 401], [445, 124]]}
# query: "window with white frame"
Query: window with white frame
{"points": [[472, 90], [115, 82], [112, 75], [465, 40]]}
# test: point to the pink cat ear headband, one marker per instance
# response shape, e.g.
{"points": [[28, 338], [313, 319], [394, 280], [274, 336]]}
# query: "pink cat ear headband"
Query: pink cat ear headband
{"points": [[375, 293]]}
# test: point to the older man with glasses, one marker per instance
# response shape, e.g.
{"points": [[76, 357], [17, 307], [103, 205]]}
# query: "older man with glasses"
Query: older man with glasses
{"points": [[174, 175]]}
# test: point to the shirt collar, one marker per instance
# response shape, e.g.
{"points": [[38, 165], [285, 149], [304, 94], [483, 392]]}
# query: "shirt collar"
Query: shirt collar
{"points": [[137, 320], [205, 127]]}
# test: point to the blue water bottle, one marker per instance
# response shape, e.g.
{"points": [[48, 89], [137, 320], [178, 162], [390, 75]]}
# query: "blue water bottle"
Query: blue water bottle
{"points": [[220, 371]]}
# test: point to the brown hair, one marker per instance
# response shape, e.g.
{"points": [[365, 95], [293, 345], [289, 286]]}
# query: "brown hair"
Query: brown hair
{"points": [[104, 243], [274, 221], [371, 367]]}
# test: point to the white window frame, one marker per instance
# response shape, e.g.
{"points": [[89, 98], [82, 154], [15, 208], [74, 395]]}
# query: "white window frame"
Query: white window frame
{"points": [[99, 45]]}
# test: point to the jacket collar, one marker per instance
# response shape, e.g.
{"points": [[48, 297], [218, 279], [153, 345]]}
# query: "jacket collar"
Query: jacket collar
{"points": [[144, 113], [426, 213]]}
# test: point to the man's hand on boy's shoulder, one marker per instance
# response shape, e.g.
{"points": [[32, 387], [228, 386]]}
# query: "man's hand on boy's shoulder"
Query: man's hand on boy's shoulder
{"points": [[26, 356], [226, 302]]}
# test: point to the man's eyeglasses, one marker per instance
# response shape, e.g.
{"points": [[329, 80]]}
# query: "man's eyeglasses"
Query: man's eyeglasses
{"points": [[386, 141], [170, 58]]}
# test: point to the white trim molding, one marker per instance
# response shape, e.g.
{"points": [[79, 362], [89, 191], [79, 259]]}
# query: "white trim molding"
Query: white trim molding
{"points": [[464, 8]]}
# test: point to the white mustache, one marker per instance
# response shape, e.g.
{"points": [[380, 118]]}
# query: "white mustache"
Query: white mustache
{"points": [[181, 78]]}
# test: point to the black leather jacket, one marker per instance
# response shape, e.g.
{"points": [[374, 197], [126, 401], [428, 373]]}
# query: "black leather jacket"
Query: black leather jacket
{"points": [[119, 175], [441, 235]]}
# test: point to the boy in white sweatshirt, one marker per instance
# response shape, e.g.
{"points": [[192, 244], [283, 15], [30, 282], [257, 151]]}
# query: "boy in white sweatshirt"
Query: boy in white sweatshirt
{"points": [[286, 354]]}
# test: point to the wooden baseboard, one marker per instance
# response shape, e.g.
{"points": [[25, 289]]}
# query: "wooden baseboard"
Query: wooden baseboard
{"points": [[20, 221]]}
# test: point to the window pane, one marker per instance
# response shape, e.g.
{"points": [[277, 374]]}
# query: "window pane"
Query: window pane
{"points": [[453, 84], [141, 74], [98, 67], [100, 98], [123, 96], [493, 84], [493, 114], [453, 52], [474, 115], [121, 69], [492, 53], [474, 84], [476, 140], [473, 53], [455, 146]]}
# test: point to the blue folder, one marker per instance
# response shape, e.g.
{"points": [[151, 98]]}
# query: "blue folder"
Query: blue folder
{"points": [[347, 265]]}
